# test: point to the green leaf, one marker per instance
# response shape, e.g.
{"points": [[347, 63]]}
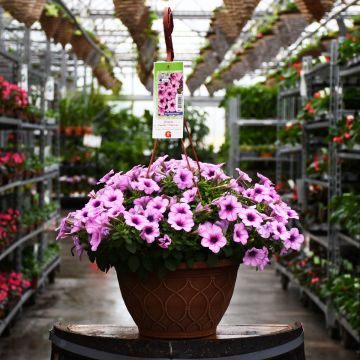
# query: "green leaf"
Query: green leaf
{"points": [[133, 263], [190, 263], [212, 259], [131, 248], [171, 264]]}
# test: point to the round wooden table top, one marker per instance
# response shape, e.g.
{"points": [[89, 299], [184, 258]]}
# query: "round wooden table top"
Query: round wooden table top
{"points": [[111, 342]]}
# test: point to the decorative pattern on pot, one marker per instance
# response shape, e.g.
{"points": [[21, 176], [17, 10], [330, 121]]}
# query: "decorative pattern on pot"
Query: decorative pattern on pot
{"points": [[188, 303]]}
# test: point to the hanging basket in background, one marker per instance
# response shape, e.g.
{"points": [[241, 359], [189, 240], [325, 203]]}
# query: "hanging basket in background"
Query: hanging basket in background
{"points": [[50, 24], [64, 32], [25, 11], [314, 10], [80, 46]]}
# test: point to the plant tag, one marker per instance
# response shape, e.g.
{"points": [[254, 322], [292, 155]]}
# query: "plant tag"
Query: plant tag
{"points": [[92, 141], [303, 89], [50, 89], [168, 117], [24, 77]]}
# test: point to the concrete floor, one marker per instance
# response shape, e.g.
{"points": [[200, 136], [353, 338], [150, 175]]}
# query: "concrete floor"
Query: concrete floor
{"points": [[82, 294]]}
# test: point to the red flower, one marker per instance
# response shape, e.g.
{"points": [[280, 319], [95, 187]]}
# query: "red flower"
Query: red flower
{"points": [[338, 139], [315, 280], [347, 135]]}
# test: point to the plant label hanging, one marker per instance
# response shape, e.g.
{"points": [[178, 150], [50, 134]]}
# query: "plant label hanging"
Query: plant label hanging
{"points": [[168, 118]]}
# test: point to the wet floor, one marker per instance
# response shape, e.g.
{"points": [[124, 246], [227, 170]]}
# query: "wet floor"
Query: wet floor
{"points": [[82, 294]]}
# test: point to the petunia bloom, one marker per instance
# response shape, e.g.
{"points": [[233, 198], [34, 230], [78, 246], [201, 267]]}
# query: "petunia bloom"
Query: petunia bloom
{"points": [[240, 233], [213, 238]]}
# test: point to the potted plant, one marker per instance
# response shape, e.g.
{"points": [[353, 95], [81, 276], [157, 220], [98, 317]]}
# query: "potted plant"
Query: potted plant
{"points": [[180, 231]]}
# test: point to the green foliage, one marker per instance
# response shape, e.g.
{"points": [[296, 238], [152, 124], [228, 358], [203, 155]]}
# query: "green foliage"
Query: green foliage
{"points": [[257, 101], [291, 134], [342, 289], [32, 266], [52, 9], [350, 46], [125, 250], [346, 213], [81, 109], [124, 140]]}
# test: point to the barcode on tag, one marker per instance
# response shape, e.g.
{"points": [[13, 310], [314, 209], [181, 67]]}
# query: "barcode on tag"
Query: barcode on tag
{"points": [[179, 102]]}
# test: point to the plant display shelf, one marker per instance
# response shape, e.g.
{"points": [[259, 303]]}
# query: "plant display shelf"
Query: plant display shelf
{"points": [[349, 240], [290, 92], [350, 155], [46, 176], [235, 123], [352, 67], [42, 125], [321, 70], [334, 319], [323, 124], [15, 310], [322, 183], [333, 76], [54, 264], [50, 268], [289, 149], [322, 240], [287, 276], [244, 157], [28, 237]]}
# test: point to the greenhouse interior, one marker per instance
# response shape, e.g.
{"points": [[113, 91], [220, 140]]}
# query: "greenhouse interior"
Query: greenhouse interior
{"points": [[179, 179]]}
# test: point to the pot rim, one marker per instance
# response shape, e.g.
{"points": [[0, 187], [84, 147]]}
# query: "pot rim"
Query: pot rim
{"points": [[204, 265]]}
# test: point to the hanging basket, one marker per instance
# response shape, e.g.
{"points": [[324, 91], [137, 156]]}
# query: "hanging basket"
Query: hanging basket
{"points": [[64, 32], [25, 11], [49, 24], [80, 46], [314, 10], [104, 77]]}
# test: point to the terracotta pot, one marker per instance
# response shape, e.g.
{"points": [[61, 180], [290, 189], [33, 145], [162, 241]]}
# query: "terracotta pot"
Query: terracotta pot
{"points": [[188, 303]]}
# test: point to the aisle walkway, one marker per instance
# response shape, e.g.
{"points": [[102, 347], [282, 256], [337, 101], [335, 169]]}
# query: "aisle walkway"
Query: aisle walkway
{"points": [[82, 294]]}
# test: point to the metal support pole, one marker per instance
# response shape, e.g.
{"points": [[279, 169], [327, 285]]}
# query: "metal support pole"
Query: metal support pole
{"points": [[334, 167], [63, 73], [233, 117], [2, 45]]}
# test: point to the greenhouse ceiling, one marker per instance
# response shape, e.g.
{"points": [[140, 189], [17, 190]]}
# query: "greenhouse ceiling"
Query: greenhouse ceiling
{"points": [[192, 19]]}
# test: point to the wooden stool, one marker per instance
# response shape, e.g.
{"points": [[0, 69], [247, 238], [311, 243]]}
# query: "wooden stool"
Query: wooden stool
{"points": [[241, 342]]}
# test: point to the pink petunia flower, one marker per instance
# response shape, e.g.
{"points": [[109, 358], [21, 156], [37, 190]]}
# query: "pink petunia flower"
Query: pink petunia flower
{"points": [[229, 208], [189, 195], [158, 203], [150, 232], [184, 179], [240, 233], [181, 222], [256, 257], [213, 238], [250, 217], [165, 241], [293, 239], [134, 220]]}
